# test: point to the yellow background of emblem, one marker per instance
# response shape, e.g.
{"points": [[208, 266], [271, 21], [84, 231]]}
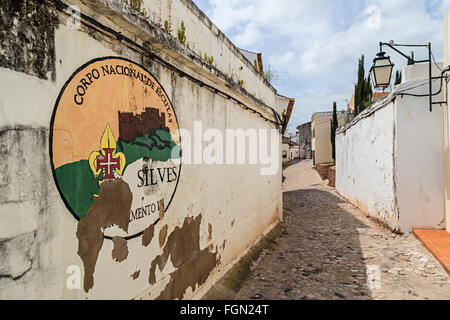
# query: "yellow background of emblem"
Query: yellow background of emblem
{"points": [[77, 128]]}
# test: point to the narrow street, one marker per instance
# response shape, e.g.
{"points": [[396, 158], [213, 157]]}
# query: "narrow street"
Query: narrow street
{"points": [[332, 250]]}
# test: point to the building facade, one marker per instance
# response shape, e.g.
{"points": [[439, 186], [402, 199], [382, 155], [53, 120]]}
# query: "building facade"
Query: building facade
{"points": [[95, 110], [446, 62], [304, 140], [321, 134], [295, 151], [289, 150]]}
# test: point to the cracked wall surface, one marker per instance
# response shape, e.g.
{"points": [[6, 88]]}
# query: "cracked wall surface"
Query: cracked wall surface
{"points": [[26, 231], [17, 255]]}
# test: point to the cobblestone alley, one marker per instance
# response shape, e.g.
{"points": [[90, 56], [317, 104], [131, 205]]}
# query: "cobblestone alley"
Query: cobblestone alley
{"points": [[331, 250]]}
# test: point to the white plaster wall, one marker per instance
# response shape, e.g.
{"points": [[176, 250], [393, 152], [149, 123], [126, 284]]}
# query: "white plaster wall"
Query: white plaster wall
{"points": [[420, 161], [390, 160], [420, 71], [202, 36], [225, 195], [285, 149], [295, 152], [365, 166]]}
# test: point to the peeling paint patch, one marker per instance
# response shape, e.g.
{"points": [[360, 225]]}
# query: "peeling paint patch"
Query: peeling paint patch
{"points": [[112, 206], [161, 209], [193, 265], [135, 274], [190, 274], [209, 231], [163, 235], [147, 236], [120, 250]]}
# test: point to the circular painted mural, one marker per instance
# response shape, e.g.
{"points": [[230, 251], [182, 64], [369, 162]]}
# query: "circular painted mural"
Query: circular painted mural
{"points": [[115, 146]]}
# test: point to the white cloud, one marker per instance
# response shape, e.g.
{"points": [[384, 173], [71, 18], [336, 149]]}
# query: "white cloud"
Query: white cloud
{"points": [[316, 44], [249, 38], [230, 13], [283, 60]]}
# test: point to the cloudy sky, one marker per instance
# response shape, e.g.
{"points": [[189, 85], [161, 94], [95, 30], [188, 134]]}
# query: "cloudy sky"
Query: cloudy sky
{"points": [[313, 46]]}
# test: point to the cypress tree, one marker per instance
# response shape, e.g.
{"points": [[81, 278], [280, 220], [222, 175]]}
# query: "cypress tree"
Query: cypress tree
{"points": [[398, 77], [334, 126], [363, 89], [411, 60], [367, 94]]}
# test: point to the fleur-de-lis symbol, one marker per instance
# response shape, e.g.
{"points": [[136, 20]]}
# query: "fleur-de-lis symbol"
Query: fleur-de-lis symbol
{"points": [[107, 160]]}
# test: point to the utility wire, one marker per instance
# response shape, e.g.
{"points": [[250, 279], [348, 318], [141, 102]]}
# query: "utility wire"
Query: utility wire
{"points": [[403, 92], [432, 55]]}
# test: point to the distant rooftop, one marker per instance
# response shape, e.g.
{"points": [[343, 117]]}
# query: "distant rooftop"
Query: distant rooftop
{"points": [[255, 58], [304, 124], [379, 95]]}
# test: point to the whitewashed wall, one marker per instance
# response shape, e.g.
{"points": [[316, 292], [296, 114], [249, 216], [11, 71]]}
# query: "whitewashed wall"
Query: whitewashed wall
{"points": [[390, 160], [365, 164], [420, 162], [285, 150]]}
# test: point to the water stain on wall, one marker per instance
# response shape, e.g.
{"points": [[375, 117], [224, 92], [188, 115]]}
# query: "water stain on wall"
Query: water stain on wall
{"points": [[112, 206], [193, 265], [120, 250]]}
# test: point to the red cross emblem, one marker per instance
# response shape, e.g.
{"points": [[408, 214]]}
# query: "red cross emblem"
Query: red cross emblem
{"points": [[108, 163]]}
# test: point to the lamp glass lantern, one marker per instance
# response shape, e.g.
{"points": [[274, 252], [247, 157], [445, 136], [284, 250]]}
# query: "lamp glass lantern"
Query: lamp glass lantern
{"points": [[381, 70]]}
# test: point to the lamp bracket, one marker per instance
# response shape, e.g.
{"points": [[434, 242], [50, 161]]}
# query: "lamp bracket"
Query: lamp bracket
{"points": [[393, 46]]}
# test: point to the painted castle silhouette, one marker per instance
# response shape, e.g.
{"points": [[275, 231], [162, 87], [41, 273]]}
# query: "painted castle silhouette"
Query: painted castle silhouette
{"points": [[132, 125]]}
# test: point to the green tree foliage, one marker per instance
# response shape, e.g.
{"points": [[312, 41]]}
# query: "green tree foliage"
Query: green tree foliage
{"points": [[334, 126], [363, 89], [398, 77], [182, 33], [269, 75], [411, 60]]}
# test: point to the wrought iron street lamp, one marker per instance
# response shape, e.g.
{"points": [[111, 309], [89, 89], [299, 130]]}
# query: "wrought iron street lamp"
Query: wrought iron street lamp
{"points": [[381, 70]]}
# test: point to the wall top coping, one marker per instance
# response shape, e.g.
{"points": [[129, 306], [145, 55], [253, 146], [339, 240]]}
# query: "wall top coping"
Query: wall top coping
{"points": [[369, 111], [418, 86]]}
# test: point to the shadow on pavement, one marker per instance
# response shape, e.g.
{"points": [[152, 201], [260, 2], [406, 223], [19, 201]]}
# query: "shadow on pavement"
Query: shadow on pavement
{"points": [[329, 261], [317, 255], [290, 163]]}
